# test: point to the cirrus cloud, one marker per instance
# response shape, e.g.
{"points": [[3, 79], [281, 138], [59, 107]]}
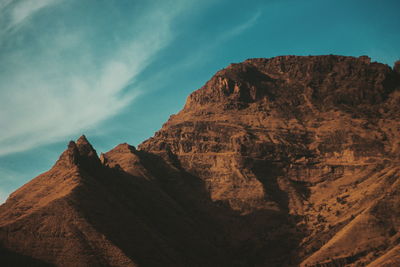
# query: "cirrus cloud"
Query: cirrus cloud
{"points": [[23, 9], [69, 79]]}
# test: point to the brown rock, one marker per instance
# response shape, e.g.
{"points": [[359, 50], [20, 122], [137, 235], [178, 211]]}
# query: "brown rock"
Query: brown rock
{"points": [[397, 66]]}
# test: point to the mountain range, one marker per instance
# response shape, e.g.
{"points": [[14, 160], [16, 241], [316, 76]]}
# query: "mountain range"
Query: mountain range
{"points": [[286, 161]]}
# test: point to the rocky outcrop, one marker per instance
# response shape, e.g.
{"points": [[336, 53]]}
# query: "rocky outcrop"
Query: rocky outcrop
{"points": [[285, 161], [298, 136]]}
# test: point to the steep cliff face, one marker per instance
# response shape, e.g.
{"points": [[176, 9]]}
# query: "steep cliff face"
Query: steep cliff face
{"points": [[310, 117], [285, 161], [313, 138]]}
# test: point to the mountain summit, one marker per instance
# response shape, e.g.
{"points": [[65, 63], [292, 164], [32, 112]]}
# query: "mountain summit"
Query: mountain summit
{"points": [[287, 161]]}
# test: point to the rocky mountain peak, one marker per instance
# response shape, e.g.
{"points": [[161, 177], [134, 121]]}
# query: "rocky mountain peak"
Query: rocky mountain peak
{"points": [[124, 147], [70, 156], [82, 140], [124, 157], [79, 153], [85, 148], [285, 82]]}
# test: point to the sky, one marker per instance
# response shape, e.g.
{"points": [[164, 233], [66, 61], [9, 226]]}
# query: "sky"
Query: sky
{"points": [[115, 70]]}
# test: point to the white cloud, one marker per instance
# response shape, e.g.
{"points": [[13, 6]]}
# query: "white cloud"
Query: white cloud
{"points": [[240, 28], [14, 13], [24, 9], [47, 95], [4, 3], [201, 54]]}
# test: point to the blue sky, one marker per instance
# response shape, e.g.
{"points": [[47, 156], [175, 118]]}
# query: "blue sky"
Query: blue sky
{"points": [[116, 70]]}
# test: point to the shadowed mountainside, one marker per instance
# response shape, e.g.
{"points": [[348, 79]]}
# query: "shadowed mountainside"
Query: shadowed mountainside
{"points": [[288, 161]]}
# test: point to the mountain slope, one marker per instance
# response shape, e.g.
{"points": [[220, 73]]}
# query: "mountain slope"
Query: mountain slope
{"points": [[274, 162], [82, 213]]}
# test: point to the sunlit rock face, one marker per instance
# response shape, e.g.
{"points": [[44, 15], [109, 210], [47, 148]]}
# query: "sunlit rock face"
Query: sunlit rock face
{"points": [[285, 161], [307, 118], [295, 135]]}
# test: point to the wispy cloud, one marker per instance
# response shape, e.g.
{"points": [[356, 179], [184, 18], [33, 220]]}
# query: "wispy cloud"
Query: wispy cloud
{"points": [[24, 9], [4, 4], [69, 80], [223, 36], [240, 28], [15, 13]]}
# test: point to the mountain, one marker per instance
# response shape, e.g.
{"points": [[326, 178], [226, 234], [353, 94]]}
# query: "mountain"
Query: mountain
{"points": [[287, 161]]}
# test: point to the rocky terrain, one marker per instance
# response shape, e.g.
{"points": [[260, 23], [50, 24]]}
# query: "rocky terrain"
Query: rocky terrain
{"points": [[288, 161]]}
